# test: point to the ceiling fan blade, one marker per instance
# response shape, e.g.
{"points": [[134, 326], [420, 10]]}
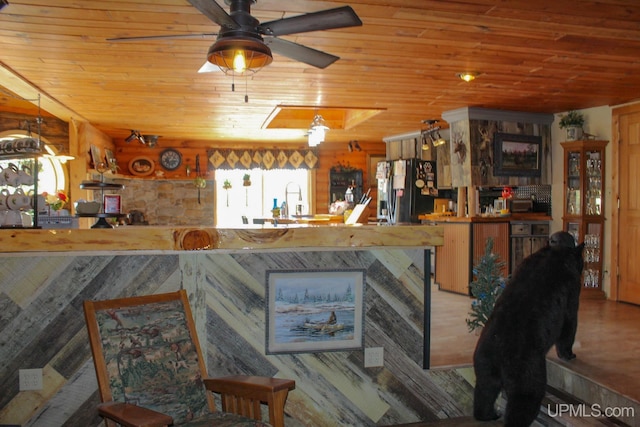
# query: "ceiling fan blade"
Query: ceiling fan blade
{"points": [[300, 53], [208, 67], [339, 17], [174, 36], [212, 10]]}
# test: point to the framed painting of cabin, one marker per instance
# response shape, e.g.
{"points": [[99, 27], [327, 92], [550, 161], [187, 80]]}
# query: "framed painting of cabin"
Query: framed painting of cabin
{"points": [[517, 155], [314, 310]]}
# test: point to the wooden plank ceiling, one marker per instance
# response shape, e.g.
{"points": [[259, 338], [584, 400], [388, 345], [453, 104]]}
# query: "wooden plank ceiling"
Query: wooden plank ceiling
{"points": [[540, 56]]}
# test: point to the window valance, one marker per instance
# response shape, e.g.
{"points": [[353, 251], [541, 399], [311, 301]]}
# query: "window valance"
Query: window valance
{"points": [[262, 159]]}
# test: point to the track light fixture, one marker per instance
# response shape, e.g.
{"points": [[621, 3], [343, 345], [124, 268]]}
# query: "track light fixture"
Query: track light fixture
{"points": [[149, 140], [134, 135], [431, 135]]}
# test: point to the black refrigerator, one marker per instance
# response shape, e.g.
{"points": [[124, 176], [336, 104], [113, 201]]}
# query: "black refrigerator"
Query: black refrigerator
{"points": [[413, 189]]}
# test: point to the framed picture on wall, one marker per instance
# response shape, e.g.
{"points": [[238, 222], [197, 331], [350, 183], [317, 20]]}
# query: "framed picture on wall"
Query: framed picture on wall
{"points": [[517, 155], [314, 310]]}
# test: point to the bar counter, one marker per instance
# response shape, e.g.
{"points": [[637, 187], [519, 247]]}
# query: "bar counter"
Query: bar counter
{"points": [[435, 218], [149, 239]]}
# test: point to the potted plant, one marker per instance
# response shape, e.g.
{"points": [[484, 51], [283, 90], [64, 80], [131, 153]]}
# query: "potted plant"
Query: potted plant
{"points": [[572, 122], [246, 180]]}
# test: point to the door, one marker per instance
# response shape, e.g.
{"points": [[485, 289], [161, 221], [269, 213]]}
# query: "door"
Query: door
{"points": [[628, 230]]}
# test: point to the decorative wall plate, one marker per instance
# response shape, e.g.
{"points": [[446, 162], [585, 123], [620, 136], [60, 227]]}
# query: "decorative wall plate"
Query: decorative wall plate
{"points": [[141, 166], [170, 159]]}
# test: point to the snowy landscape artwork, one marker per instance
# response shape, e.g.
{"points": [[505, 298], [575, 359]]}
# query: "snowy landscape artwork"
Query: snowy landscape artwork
{"points": [[314, 310]]}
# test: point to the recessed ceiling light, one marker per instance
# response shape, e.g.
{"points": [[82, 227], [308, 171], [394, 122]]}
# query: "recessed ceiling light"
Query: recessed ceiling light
{"points": [[467, 76]]}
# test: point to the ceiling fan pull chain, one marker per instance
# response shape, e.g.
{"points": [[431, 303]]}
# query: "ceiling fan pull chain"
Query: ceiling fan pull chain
{"points": [[246, 90]]}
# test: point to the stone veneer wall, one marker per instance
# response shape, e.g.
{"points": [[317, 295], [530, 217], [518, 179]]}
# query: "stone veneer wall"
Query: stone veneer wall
{"points": [[168, 202]]}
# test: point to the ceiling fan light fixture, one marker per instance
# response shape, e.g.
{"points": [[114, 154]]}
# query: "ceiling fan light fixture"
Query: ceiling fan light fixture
{"points": [[468, 76], [239, 55]]}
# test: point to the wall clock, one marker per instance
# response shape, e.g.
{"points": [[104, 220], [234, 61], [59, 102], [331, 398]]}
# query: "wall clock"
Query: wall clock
{"points": [[170, 159]]}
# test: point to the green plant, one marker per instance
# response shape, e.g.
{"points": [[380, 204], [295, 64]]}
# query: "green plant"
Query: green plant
{"points": [[486, 288], [246, 177], [227, 184], [572, 118]]}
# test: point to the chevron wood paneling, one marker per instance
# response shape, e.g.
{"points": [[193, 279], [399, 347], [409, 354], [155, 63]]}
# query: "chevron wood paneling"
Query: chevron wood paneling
{"points": [[42, 326]]}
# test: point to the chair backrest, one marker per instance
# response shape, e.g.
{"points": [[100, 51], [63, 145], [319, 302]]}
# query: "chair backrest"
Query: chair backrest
{"points": [[146, 352], [245, 220]]}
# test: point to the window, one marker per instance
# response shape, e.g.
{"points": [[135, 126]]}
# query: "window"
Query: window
{"points": [[51, 176], [256, 200]]}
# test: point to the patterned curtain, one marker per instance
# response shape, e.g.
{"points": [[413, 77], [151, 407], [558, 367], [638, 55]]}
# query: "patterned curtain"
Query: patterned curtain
{"points": [[262, 159]]}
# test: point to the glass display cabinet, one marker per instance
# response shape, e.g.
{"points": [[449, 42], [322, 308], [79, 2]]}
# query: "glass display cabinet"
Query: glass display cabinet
{"points": [[583, 215]]}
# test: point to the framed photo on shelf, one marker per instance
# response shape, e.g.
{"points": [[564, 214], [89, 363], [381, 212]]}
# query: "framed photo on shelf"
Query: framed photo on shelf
{"points": [[96, 156], [112, 203], [517, 155], [314, 310]]}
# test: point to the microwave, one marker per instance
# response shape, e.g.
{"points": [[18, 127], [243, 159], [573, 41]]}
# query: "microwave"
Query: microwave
{"points": [[521, 205]]}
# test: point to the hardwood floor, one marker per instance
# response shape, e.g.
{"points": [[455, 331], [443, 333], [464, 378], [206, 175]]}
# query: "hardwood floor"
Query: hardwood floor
{"points": [[607, 343]]}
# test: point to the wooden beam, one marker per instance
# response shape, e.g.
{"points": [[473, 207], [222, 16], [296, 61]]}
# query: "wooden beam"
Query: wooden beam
{"points": [[29, 92]]}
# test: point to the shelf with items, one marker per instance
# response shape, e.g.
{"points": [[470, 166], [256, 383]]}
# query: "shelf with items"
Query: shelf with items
{"points": [[583, 215], [340, 182], [19, 181], [103, 214]]}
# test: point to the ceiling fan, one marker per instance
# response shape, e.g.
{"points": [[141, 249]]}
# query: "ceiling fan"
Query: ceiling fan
{"points": [[245, 44]]}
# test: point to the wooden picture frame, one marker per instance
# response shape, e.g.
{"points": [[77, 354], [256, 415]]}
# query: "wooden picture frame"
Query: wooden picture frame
{"points": [[517, 155], [141, 166], [96, 156], [112, 203], [310, 311]]}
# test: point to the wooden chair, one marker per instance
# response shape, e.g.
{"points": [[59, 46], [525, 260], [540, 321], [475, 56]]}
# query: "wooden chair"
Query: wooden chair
{"points": [[151, 371]]}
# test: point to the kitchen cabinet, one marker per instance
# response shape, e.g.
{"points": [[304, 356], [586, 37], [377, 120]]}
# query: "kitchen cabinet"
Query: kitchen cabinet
{"points": [[464, 244], [527, 237], [583, 213], [341, 180]]}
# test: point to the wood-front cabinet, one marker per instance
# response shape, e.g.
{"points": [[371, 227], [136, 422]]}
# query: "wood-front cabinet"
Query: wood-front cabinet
{"points": [[527, 237], [583, 215], [464, 245]]}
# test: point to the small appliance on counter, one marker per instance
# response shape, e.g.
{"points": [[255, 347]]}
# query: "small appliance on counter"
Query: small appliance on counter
{"points": [[520, 205], [137, 218]]}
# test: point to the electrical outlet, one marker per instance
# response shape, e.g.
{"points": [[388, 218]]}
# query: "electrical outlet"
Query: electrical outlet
{"points": [[373, 357], [30, 379]]}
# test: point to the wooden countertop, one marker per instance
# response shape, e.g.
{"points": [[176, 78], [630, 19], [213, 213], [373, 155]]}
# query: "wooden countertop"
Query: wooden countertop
{"points": [[512, 217], [169, 239]]}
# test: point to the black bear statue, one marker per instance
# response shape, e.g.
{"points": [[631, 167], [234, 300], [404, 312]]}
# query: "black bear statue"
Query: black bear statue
{"points": [[537, 309]]}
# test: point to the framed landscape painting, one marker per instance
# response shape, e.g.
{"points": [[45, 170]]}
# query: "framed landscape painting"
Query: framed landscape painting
{"points": [[314, 310], [517, 155]]}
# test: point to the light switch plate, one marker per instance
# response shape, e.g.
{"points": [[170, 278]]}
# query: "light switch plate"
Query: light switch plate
{"points": [[30, 379], [373, 357]]}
